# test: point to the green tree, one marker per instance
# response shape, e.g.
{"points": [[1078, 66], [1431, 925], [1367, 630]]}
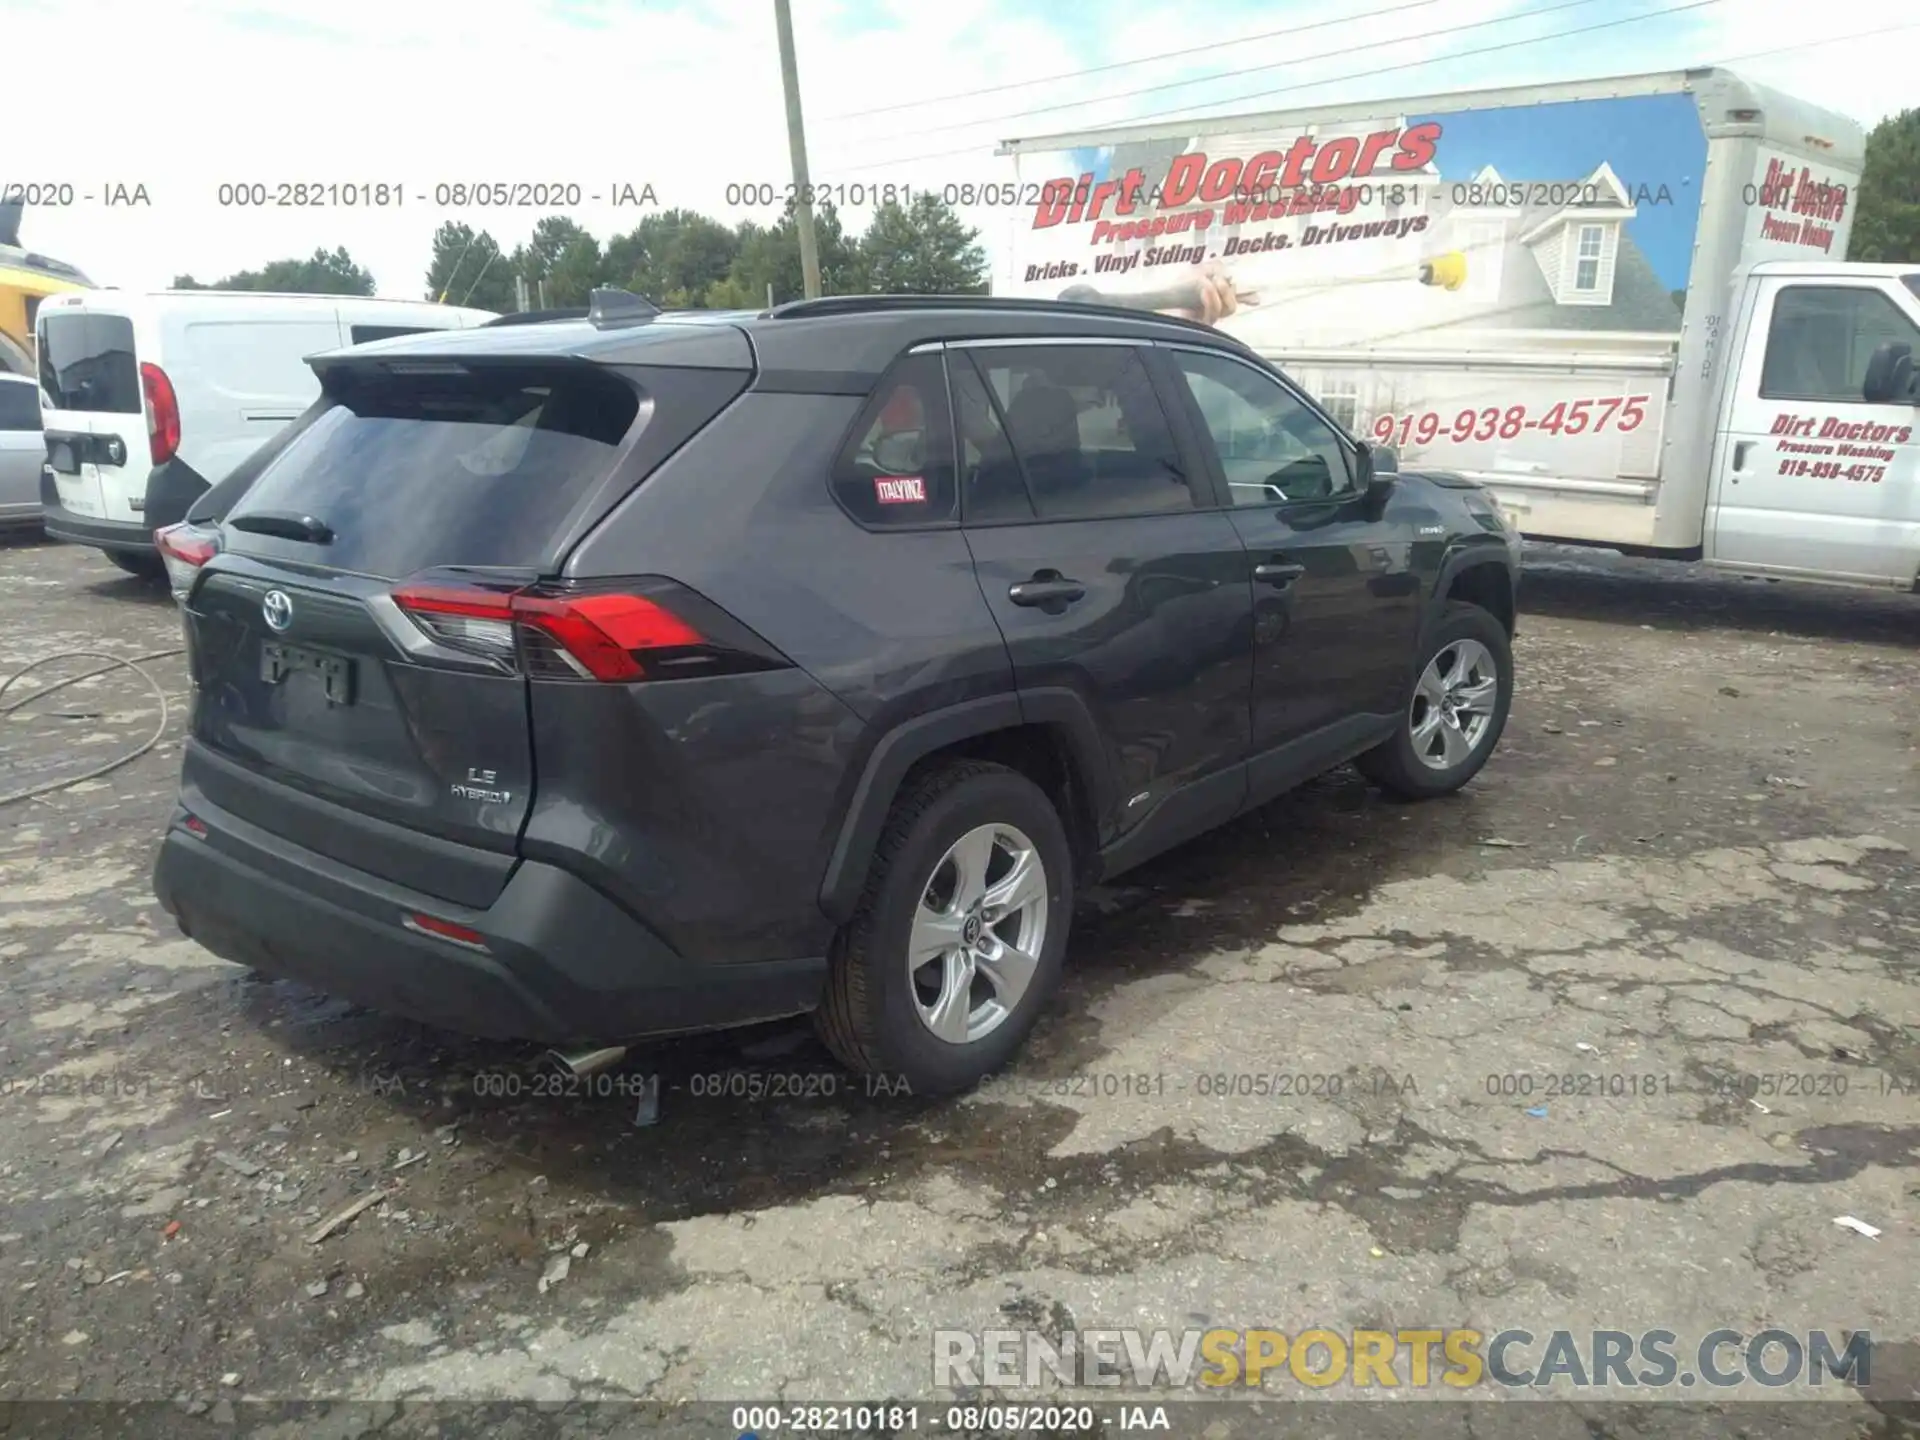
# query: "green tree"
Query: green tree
{"points": [[575, 271], [1886, 225], [673, 258], [552, 234], [468, 269], [328, 272], [728, 293], [922, 249], [772, 255]]}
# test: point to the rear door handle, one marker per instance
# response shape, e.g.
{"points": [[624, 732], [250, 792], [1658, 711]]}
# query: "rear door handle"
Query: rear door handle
{"points": [[1278, 574], [1046, 592]]}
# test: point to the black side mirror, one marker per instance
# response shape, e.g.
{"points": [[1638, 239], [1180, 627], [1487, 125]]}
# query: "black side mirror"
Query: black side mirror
{"points": [[1375, 483], [1889, 375]]}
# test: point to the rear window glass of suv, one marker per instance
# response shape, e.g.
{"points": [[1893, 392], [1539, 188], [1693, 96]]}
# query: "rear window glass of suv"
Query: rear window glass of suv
{"points": [[87, 364], [481, 468]]}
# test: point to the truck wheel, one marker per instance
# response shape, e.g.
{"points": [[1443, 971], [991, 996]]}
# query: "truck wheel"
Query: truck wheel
{"points": [[1457, 710], [956, 944], [137, 562]]}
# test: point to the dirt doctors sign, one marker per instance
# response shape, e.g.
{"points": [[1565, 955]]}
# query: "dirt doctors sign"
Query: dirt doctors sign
{"points": [[1420, 243]]}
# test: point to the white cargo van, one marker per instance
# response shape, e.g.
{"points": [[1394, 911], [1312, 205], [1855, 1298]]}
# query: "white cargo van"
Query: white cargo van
{"points": [[1622, 305], [153, 398]]}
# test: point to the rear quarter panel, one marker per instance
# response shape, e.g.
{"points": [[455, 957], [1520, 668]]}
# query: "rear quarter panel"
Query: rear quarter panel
{"points": [[716, 802]]}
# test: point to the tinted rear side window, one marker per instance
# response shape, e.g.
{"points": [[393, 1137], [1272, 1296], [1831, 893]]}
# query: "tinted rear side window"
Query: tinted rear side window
{"points": [[473, 469], [19, 406], [1082, 425], [87, 363], [897, 466]]}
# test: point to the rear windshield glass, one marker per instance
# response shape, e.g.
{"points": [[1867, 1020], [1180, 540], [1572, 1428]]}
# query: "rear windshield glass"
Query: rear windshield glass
{"points": [[87, 363], [411, 472]]}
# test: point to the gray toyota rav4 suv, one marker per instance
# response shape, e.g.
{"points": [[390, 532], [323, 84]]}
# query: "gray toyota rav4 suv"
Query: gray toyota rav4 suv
{"points": [[630, 673]]}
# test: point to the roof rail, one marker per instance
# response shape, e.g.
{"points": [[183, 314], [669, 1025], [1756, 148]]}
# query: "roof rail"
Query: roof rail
{"points": [[864, 304], [608, 307], [535, 317]]}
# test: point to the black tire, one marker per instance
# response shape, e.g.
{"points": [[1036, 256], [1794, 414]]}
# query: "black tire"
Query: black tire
{"points": [[868, 1017], [1393, 765], [138, 562]]}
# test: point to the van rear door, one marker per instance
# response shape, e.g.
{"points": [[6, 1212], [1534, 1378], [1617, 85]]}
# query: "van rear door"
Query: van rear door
{"points": [[1808, 478], [96, 427]]}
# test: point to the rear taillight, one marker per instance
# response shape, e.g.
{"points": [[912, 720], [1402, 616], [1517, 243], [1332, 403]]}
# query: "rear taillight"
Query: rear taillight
{"points": [[423, 924], [185, 548], [163, 413], [560, 634]]}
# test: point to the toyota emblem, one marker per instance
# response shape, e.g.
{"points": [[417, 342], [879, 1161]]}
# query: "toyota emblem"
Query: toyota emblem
{"points": [[276, 608]]}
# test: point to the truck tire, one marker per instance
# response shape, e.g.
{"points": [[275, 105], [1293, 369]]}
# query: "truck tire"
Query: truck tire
{"points": [[955, 946], [1463, 688]]}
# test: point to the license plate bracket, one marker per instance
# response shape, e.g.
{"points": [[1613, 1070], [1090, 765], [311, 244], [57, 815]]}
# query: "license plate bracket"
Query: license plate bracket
{"points": [[335, 671]]}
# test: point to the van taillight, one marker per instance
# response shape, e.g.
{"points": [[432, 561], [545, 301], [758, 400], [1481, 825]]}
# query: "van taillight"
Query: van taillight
{"points": [[163, 413]]}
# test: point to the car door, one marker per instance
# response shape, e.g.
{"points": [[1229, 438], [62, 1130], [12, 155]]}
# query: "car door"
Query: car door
{"points": [[1112, 571], [1335, 595], [95, 415], [1809, 478], [22, 450]]}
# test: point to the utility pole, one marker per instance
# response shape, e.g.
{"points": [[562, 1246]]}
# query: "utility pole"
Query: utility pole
{"points": [[797, 143]]}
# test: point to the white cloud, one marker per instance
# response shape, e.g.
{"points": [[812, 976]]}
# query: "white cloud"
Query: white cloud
{"points": [[687, 98]]}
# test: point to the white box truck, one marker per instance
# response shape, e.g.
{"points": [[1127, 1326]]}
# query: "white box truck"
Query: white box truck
{"points": [[1622, 305]]}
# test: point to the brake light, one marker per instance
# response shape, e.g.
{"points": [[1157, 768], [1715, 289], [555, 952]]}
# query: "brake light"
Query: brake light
{"points": [[184, 548], [163, 413], [423, 924], [595, 636], [188, 543]]}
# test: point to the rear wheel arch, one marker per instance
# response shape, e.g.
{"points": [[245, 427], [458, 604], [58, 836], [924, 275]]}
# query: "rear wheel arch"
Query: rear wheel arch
{"points": [[1048, 735]]}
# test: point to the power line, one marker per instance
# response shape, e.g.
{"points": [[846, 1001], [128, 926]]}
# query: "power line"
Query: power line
{"points": [[1291, 60], [1129, 64], [1185, 114], [1812, 44]]}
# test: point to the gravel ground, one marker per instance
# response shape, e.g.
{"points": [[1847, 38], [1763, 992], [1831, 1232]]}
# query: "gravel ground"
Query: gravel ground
{"points": [[1686, 873]]}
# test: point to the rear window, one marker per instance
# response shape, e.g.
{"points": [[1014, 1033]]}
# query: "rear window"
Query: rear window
{"points": [[411, 472], [87, 363], [19, 406]]}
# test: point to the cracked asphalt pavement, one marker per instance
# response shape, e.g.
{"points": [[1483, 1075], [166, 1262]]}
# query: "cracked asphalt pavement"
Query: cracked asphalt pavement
{"points": [[1609, 1040]]}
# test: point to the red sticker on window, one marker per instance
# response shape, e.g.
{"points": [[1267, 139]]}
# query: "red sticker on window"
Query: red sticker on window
{"points": [[900, 490]]}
